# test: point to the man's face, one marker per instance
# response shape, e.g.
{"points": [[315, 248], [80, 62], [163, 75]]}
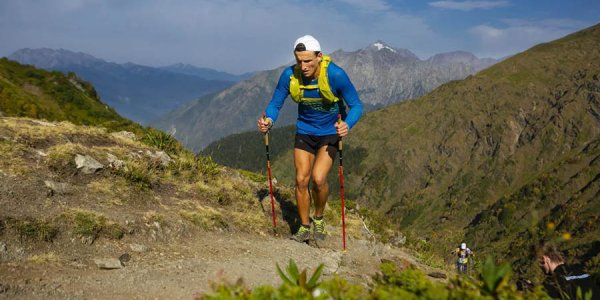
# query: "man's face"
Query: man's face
{"points": [[545, 264], [309, 63]]}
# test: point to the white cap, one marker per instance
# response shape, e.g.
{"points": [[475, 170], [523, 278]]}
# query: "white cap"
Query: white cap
{"points": [[310, 43], [463, 246]]}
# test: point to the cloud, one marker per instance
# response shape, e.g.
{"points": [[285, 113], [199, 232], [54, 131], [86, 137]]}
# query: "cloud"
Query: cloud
{"points": [[368, 5], [520, 34], [468, 5], [234, 36]]}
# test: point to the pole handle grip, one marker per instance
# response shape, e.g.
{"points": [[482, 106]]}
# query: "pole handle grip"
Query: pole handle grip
{"points": [[340, 145], [264, 116]]}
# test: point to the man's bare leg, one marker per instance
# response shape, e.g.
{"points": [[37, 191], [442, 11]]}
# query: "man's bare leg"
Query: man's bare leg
{"points": [[303, 161], [320, 170]]}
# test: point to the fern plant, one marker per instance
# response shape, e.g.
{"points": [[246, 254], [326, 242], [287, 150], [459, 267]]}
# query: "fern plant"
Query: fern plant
{"points": [[495, 278], [296, 278]]}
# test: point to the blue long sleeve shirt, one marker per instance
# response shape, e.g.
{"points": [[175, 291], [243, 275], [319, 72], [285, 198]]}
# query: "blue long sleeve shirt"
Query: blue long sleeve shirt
{"points": [[319, 120]]}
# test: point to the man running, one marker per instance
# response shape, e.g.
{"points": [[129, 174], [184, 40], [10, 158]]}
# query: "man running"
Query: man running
{"points": [[462, 258], [322, 90]]}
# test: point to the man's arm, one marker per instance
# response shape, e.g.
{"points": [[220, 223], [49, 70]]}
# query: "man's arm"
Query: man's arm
{"points": [[282, 90], [345, 89]]}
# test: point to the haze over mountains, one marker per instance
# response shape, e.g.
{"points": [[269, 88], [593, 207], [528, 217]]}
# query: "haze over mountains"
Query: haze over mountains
{"points": [[140, 93], [381, 74], [206, 73]]}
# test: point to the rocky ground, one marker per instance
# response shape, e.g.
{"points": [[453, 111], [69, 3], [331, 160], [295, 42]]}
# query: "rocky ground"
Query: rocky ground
{"points": [[86, 214], [182, 269]]}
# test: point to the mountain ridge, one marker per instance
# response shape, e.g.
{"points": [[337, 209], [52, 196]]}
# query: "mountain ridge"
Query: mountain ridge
{"points": [[206, 73], [380, 75], [515, 140], [138, 92]]}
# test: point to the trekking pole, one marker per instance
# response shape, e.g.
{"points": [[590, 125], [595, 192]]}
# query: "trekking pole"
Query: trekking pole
{"points": [[269, 172], [342, 191]]}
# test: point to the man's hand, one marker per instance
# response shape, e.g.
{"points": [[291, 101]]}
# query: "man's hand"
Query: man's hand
{"points": [[264, 124], [341, 128]]}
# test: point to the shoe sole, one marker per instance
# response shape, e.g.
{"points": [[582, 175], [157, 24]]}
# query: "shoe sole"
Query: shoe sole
{"points": [[300, 241], [320, 237]]}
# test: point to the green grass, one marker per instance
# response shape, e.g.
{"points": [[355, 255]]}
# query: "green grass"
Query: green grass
{"points": [[35, 229], [94, 225], [205, 217]]}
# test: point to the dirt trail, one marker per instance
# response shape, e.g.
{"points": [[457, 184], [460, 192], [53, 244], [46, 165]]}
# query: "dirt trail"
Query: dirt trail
{"points": [[183, 269]]}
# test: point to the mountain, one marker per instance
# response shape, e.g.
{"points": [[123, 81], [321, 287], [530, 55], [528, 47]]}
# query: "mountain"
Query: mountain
{"points": [[500, 160], [495, 158], [137, 92], [206, 73], [382, 75], [463, 57], [26, 91]]}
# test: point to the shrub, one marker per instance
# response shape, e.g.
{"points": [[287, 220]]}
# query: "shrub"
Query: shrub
{"points": [[87, 223], [256, 177], [207, 166], [161, 140], [35, 229], [90, 224], [139, 175]]}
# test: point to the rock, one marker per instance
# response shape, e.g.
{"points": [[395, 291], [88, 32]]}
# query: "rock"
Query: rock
{"points": [[108, 263], [161, 156], [378, 249], [88, 239], [87, 164], [3, 249], [77, 265], [57, 187], [114, 162], [125, 257], [332, 262], [125, 135], [398, 240], [20, 252], [138, 248], [437, 275], [43, 123]]}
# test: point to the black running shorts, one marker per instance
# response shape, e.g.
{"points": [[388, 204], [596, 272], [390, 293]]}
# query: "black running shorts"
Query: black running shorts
{"points": [[312, 143]]}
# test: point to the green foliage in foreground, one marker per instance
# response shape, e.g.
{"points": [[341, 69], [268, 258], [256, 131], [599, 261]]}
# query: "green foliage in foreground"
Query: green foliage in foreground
{"points": [[492, 283]]}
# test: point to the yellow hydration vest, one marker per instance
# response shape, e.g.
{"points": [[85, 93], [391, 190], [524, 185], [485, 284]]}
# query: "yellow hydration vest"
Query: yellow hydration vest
{"points": [[297, 87]]}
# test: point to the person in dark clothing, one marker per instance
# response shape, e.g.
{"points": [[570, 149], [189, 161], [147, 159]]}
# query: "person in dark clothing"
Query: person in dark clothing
{"points": [[562, 280]]}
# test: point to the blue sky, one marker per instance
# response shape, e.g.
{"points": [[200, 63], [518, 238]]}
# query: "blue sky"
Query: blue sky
{"points": [[249, 35]]}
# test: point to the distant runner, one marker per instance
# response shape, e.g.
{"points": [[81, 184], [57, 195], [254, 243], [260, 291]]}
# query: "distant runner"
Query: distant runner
{"points": [[462, 259], [322, 90]]}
